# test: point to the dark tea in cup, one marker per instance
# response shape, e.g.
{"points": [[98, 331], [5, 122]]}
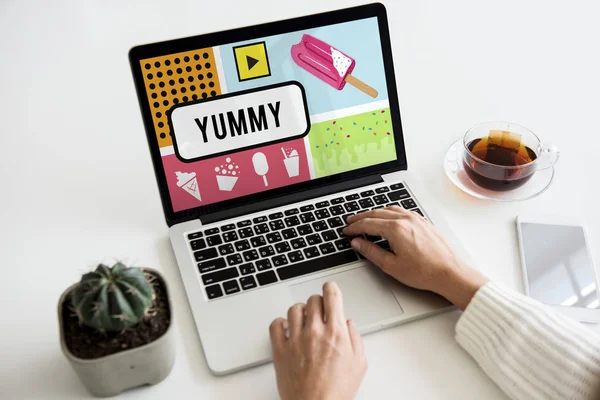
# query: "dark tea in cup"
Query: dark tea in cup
{"points": [[501, 156]]}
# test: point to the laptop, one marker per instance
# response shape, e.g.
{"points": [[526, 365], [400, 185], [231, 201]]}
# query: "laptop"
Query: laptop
{"points": [[264, 139]]}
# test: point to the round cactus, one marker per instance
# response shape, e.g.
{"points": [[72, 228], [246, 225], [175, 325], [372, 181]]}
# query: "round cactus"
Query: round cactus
{"points": [[112, 299]]}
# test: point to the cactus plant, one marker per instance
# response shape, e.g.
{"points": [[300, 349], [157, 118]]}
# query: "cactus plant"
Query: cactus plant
{"points": [[112, 298]]}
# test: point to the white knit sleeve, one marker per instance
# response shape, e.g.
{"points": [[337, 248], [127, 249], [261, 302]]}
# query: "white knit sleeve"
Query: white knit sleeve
{"points": [[529, 350]]}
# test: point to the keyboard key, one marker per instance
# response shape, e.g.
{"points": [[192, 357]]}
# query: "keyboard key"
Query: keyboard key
{"points": [[307, 217], [214, 240], [198, 244], [399, 195], [262, 265], [220, 276], [345, 217], [337, 210], [211, 231], [393, 204], [351, 197], [367, 193], [246, 269], [289, 233], [384, 189], [384, 244], [203, 255], [397, 186], [329, 235], [278, 261], [282, 247], [296, 256], [258, 220], [335, 222], [292, 221], [241, 224], [338, 200], [322, 204], [266, 251], [250, 255], [419, 212], [322, 214], [242, 245], [230, 236], [320, 226], [381, 199], [226, 249], [373, 238], [366, 203], [276, 225], [314, 239], [342, 244], [258, 241], [227, 227], [214, 291], [246, 232], [266, 278], [298, 243], [234, 259], [376, 208], [261, 228], [211, 265], [408, 204], [293, 211], [309, 207], [274, 237], [311, 252], [248, 282], [353, 206], [276, 216], [327, 248], [231, 287], [194, 235], [305, 230], [308, 267]]}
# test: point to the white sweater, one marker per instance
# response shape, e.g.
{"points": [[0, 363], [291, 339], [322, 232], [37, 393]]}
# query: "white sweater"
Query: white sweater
{"points": [[530, 351]]}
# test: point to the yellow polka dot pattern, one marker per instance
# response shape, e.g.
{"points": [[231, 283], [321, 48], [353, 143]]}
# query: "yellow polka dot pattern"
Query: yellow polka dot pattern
{"points": [[177, 79]]}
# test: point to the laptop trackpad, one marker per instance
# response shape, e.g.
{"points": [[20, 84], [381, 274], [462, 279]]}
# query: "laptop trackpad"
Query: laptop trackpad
{"points": [[367, 297]]}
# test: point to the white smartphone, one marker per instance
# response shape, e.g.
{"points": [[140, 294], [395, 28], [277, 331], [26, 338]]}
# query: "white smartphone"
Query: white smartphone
{"points": [[557, 265]]}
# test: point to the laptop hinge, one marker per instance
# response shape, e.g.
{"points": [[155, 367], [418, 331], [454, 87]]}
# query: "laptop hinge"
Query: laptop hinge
{"points": [[290, 199]]}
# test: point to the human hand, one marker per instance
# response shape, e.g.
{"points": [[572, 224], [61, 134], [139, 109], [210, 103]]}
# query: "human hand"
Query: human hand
{"points": [[419, 256], [322, 355]]}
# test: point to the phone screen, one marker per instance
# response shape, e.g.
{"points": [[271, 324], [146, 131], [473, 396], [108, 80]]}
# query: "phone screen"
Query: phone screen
{"points": [[558, 265]]}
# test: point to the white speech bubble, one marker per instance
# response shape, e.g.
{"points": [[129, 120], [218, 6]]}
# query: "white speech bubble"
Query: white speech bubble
{"points": [[239, 121]]}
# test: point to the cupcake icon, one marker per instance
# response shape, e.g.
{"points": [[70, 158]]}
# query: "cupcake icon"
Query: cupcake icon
{"points": [[227, 175]]}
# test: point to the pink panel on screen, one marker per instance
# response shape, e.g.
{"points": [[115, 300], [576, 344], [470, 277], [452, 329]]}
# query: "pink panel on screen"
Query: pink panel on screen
{"points": [[199, 184]]}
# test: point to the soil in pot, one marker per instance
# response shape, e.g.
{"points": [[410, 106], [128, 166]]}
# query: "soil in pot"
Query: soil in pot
{"points": [[88, 343]]}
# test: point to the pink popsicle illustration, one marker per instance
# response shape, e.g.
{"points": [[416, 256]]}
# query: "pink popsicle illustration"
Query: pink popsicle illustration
{"points": [[328, 64]]}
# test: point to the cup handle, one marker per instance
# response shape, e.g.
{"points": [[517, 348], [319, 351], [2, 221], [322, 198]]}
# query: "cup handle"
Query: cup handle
{"points": [[548, 157]]}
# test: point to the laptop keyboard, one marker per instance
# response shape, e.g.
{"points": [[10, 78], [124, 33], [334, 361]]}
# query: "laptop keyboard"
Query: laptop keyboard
{"points": [[283, 245]]}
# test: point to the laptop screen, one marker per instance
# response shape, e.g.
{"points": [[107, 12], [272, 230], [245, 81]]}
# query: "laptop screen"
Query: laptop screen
{"points": [[241, 118]]}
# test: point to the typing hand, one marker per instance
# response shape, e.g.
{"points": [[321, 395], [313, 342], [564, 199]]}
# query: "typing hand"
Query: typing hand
{"points": [[419, 256], [322, 354]]}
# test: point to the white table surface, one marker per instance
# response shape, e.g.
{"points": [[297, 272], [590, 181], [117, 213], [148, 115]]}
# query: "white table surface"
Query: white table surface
{"points": [[78, 185]]}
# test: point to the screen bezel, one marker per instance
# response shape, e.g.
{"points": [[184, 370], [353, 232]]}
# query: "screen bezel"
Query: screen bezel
{"points": [[138, 53], [578, 313]]}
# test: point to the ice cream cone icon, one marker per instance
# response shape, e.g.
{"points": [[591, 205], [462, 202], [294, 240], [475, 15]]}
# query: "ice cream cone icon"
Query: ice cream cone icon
{"points": [[188, 182]]}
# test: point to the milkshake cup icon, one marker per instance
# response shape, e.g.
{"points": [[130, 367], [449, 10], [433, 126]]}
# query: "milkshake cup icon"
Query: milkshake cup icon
{"points": [[292, 163], [226, 183]]}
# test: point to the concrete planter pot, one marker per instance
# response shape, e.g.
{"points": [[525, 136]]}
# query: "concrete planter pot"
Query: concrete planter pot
{"points": [[110, 375]]}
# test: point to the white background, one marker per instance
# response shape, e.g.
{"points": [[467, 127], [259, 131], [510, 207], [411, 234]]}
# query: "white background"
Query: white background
{"points": [[78, 186]]}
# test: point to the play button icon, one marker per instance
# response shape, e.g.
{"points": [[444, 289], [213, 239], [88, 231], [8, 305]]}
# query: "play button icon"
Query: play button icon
{"points": [[251, 62]]}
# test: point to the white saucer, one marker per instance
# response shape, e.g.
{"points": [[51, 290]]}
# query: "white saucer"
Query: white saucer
{"points": [[453, 165]]}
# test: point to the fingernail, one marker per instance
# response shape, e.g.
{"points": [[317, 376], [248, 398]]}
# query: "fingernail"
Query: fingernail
{"points": [[355, 244]]}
